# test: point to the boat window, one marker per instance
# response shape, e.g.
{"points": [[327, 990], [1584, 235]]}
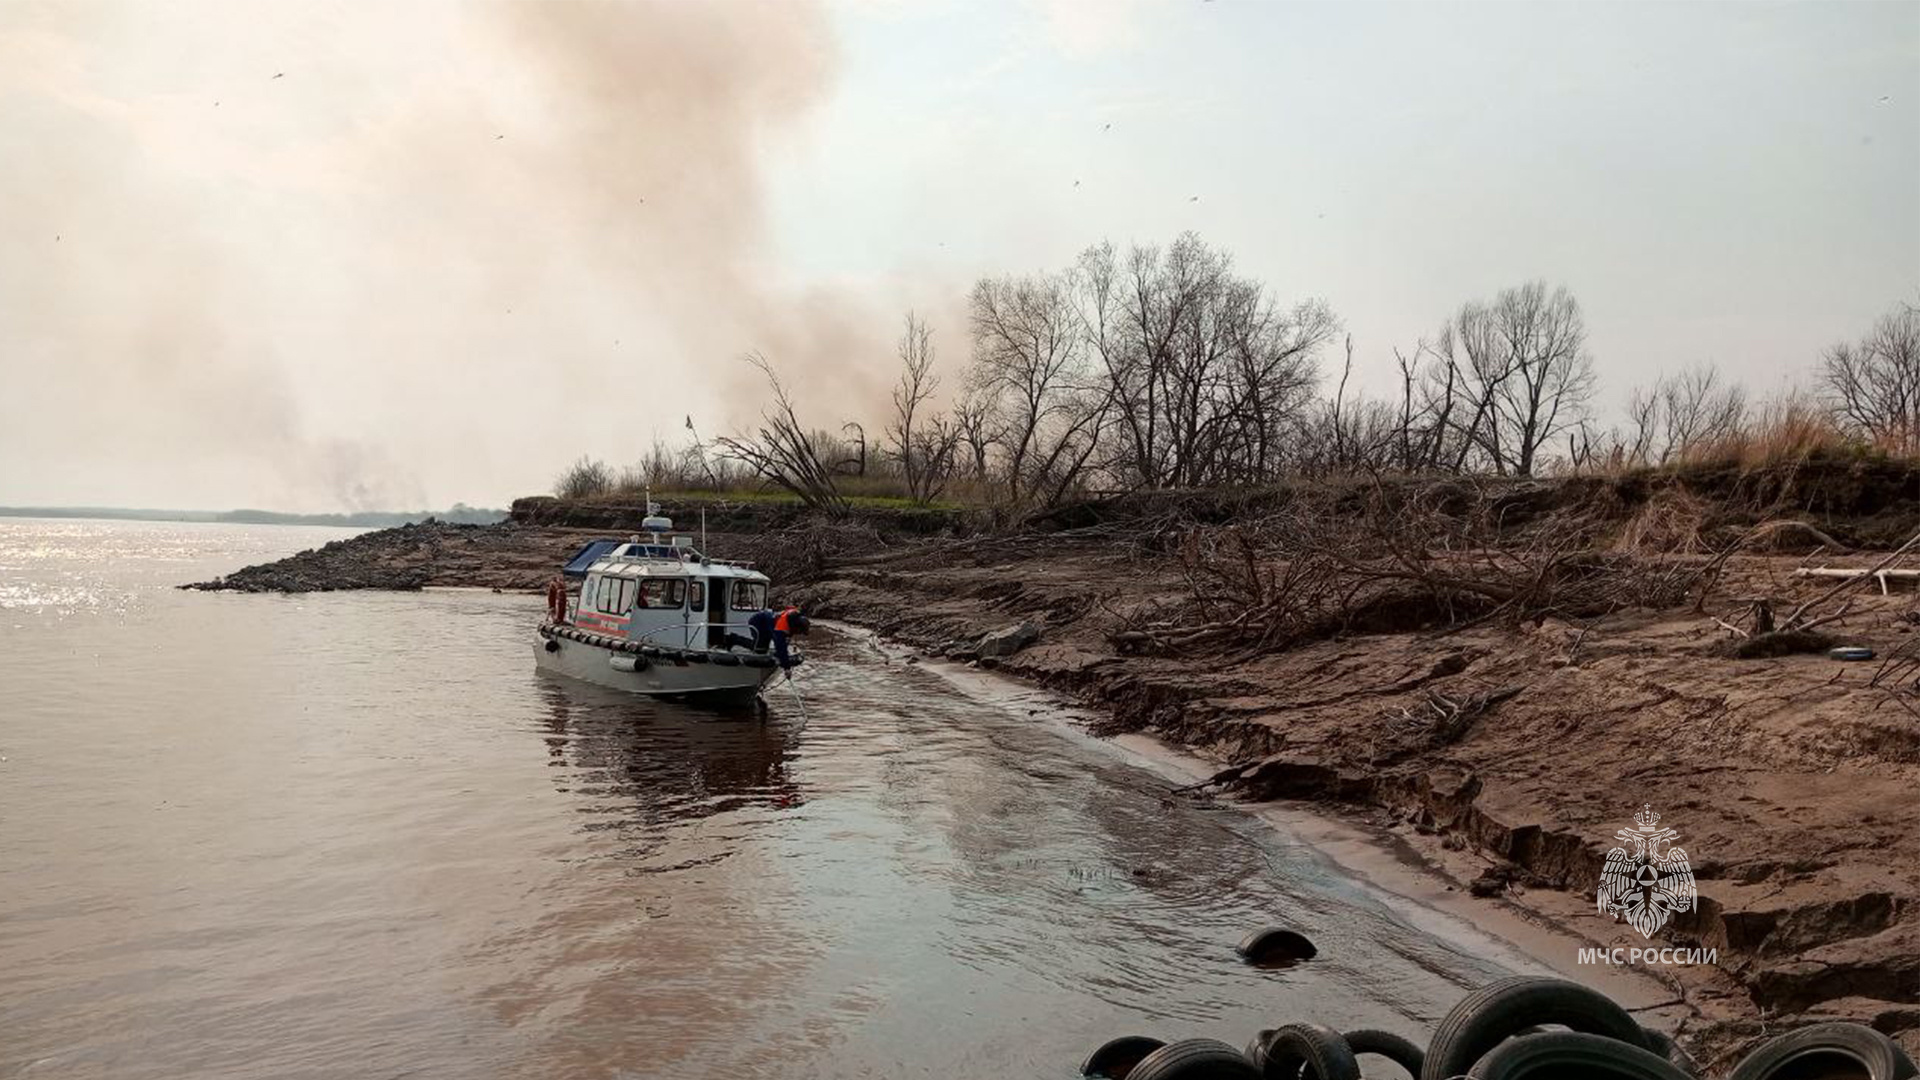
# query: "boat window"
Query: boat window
{"points": [[663, 593], [616, 597], [587, 592], [749, 596], [697, 595]]}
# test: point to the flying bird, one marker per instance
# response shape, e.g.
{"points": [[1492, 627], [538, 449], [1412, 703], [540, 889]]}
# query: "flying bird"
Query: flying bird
{"points": [[497, 138], [1076, 183], [1196, 198], [1886, 99], [279, 75], [1108, 127]]}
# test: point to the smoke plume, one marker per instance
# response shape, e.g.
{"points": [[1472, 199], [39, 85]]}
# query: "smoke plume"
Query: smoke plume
{"points": [[367, 257]]}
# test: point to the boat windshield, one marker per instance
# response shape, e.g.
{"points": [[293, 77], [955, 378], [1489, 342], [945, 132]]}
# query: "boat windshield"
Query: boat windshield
{"points": [[749, 595]]}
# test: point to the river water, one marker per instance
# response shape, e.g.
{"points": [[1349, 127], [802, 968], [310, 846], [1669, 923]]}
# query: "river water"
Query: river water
{"points": [[356, 835]]}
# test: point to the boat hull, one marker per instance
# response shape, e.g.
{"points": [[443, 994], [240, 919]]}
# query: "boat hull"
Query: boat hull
{"points": [[663, 674]]}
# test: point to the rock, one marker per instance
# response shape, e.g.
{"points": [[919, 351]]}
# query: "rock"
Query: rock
{"points": [[1010, 640], [1491, 882]]}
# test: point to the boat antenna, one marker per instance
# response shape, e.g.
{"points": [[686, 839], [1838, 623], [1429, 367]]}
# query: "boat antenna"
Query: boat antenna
{"points": [[703, 530]]}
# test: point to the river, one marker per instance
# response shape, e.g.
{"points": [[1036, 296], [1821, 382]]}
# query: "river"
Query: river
{"points": [[357, 834]]}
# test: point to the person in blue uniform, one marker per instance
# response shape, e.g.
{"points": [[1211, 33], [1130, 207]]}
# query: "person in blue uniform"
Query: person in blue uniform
{"points": [[775, 629]]}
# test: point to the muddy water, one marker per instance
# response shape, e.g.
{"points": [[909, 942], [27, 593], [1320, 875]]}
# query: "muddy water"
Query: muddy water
{"points": [[358, 835]]}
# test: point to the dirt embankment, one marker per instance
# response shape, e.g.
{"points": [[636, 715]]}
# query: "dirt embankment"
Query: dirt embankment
{"points": [[1529, 743]]}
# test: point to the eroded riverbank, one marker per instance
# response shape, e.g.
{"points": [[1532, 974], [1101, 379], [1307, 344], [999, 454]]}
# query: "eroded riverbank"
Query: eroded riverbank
{"points": [[1785, 775]]}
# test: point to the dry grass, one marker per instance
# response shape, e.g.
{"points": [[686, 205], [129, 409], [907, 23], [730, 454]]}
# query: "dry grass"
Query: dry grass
{"points": [[1784, 431]]}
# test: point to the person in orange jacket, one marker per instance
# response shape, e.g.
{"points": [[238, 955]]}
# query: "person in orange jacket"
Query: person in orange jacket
{"points": [[789, 622]]}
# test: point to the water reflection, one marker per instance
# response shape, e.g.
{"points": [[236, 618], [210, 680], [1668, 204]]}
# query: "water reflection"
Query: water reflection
{"points": [[643, 763]]}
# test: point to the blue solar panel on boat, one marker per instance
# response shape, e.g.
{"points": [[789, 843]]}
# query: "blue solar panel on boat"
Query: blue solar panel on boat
{"points": [[577, 566]]}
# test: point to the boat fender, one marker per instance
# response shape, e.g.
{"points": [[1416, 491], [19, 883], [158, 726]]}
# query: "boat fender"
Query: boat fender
{"points": [[698, 657], [631, 647], [726, 661], [552, 645]]}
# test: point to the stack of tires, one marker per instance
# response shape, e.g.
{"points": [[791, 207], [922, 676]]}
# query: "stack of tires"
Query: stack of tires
{"points": [[1523, 1028]]}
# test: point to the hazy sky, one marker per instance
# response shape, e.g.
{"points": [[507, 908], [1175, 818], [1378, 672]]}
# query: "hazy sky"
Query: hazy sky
{"points": [[320, 257]]}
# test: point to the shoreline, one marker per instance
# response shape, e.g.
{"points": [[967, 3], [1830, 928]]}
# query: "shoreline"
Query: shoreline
{"points": [[1431, 898]]}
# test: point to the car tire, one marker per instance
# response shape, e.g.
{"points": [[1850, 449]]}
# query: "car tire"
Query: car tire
{"points": [[1557, 1055], [1395, 1048], [1305, 1052], [1495, 1012], [1115, 1058], [1855, 1044], [1195, 1059]]}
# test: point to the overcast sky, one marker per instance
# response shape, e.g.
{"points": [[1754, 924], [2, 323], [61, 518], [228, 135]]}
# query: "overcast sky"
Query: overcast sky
{"points": [[359, 256]]}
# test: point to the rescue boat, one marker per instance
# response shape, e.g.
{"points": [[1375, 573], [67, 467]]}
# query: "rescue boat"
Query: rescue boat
{"points": [[654, 615]]}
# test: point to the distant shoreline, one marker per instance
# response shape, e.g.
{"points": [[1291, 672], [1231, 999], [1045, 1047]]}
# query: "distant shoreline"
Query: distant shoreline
{"points": [[368, 519]]}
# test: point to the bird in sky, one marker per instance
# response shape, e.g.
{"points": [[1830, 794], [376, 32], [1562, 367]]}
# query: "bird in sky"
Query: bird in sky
{"points": [[279, 75]]}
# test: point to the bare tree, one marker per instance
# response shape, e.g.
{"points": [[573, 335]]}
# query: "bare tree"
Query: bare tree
{"points": [[1028, 358], [1874, 386], [584, 479], [783, 451], [1206, 375], [1523, 372], [1683, 413], [854, 460], [974, 425], [922, 445]]}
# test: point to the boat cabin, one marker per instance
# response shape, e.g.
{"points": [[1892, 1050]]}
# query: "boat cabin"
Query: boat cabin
{"points": [[657, 589]]}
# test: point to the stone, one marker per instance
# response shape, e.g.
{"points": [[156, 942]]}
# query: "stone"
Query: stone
{"points": [[1009, 640]]}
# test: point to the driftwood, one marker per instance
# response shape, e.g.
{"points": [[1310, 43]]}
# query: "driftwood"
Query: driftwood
{"points": [[1881, 576], [1398, 561], [1799, 619]]}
